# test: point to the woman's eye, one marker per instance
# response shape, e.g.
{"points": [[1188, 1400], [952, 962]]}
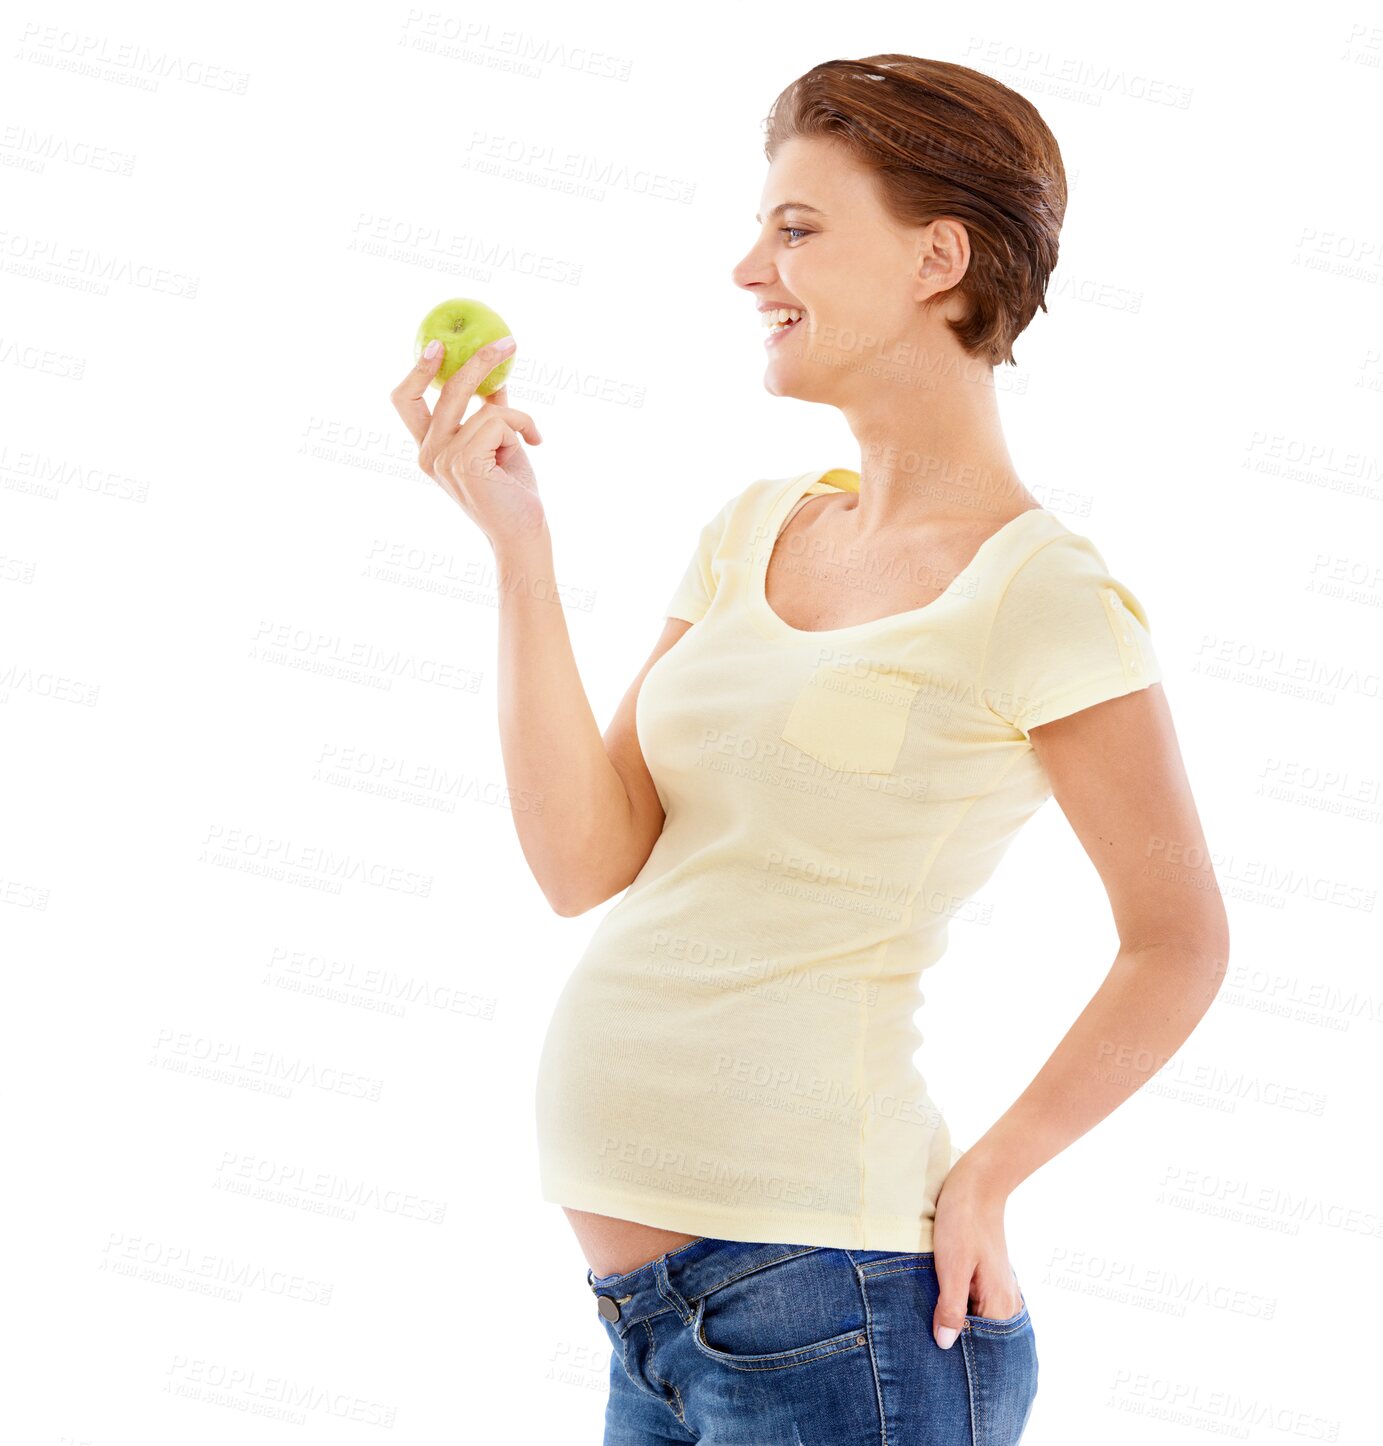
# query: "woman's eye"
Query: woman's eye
{"points": [[788, 229]]}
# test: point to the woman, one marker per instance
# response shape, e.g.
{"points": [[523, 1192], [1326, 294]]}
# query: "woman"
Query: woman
{"points": [[872, 681]]}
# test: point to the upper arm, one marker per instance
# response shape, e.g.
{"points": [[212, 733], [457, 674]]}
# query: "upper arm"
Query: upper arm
{"points": [[622, 746], [1117, 774], [1070, 664]]}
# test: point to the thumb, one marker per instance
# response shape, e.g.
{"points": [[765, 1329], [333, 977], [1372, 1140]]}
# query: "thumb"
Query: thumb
{"points": [[948, 1320]]}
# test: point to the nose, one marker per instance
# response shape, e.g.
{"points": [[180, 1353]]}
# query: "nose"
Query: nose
{"points": [[751, 271]]}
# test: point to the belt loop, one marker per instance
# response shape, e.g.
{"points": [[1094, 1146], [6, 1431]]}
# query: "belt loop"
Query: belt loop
{"points": [[669, 1292]]}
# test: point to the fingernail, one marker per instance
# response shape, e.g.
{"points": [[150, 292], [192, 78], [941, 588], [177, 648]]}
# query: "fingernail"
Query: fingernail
{"points": [[431, 349], [946, 1337], [505, 343]]}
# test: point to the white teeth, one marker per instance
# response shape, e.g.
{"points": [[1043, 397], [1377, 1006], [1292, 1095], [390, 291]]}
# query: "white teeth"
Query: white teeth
{"points": [[781, 316]]}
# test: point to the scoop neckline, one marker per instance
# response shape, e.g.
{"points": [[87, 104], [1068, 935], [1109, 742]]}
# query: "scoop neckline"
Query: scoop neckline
{"points": [[795, 493]]}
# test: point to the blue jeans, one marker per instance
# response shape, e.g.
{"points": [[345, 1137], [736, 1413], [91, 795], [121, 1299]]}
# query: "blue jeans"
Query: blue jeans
{"points": [[735, 1343]]}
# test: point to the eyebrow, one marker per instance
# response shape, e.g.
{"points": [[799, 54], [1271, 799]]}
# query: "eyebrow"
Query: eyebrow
{"points": [[790, 206]]}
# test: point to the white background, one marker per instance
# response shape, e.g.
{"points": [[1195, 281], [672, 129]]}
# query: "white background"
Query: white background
{"points": [[220, 229]]}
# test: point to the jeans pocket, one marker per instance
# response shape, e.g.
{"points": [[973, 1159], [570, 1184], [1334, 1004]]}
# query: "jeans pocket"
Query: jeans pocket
{"points": [[1000, 1326], [1001, 1365], [798, 1309], [1004, 1325], [851, 718]]}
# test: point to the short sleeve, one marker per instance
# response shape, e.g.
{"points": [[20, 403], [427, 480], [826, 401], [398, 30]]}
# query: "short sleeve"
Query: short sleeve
{"points": [[692, 596], [1065, 636]]}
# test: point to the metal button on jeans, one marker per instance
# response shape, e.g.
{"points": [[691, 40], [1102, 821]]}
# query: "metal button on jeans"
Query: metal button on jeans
{"points": [[606, 1305]]}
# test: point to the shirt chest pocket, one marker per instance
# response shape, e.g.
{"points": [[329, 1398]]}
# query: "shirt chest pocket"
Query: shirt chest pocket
{"points": [[851, 718]]}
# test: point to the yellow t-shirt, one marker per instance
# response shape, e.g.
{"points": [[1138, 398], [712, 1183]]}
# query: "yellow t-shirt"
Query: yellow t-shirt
{"points": [[733, 1054]]}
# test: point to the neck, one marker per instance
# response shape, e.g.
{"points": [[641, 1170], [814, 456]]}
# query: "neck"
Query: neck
{"points": [[939, 458]]}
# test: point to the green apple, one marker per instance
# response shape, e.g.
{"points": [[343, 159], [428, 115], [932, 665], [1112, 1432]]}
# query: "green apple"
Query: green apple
{"points": [[463, 326]]}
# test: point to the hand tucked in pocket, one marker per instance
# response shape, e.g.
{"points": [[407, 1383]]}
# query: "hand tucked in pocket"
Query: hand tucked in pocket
{"points": [[999, 1304], [973, 1273]]}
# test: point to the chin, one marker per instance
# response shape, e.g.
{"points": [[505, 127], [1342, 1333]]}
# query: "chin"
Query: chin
{"points": [[780, 384]]}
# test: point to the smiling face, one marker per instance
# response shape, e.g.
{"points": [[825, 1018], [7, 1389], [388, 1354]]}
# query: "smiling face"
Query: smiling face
{"points": [[827, 247]]}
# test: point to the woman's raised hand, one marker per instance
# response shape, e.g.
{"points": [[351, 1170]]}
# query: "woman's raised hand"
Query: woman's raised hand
{"points": [[479, 462]]}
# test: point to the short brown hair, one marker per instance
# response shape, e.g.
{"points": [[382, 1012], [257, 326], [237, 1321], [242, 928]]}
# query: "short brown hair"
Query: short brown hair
{"points": [[945, 140]]}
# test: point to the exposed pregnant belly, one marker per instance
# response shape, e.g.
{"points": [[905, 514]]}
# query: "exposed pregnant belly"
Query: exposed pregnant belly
{"points": [[615, 1247]]}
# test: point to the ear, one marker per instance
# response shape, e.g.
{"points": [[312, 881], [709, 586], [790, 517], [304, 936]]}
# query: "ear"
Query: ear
{"points": [[943, 256]]}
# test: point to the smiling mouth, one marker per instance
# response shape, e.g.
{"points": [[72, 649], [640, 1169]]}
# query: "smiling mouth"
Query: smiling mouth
{"points": [[774, 332]]}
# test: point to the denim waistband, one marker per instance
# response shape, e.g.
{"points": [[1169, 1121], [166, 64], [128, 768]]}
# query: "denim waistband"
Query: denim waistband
{"points": [[677, 1280]]}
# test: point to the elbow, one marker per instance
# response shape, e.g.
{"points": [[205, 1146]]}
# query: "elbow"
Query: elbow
{"points": [[569, 888], [1215, 949], [579, 897], [564, 901], [1205, 957], [1193, 936], [1199, 950], [579, 891]]}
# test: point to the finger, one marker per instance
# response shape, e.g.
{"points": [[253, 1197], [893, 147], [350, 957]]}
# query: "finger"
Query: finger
{"points": [[407, 397], [458, 389], [486, 434], [500, 398], [1000, 1301], [948, 1319], [521, 422]]}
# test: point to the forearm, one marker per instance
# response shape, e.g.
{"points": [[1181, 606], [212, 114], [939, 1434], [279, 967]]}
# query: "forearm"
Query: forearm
{"points": [[1141, 1015], [568, 802]]}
